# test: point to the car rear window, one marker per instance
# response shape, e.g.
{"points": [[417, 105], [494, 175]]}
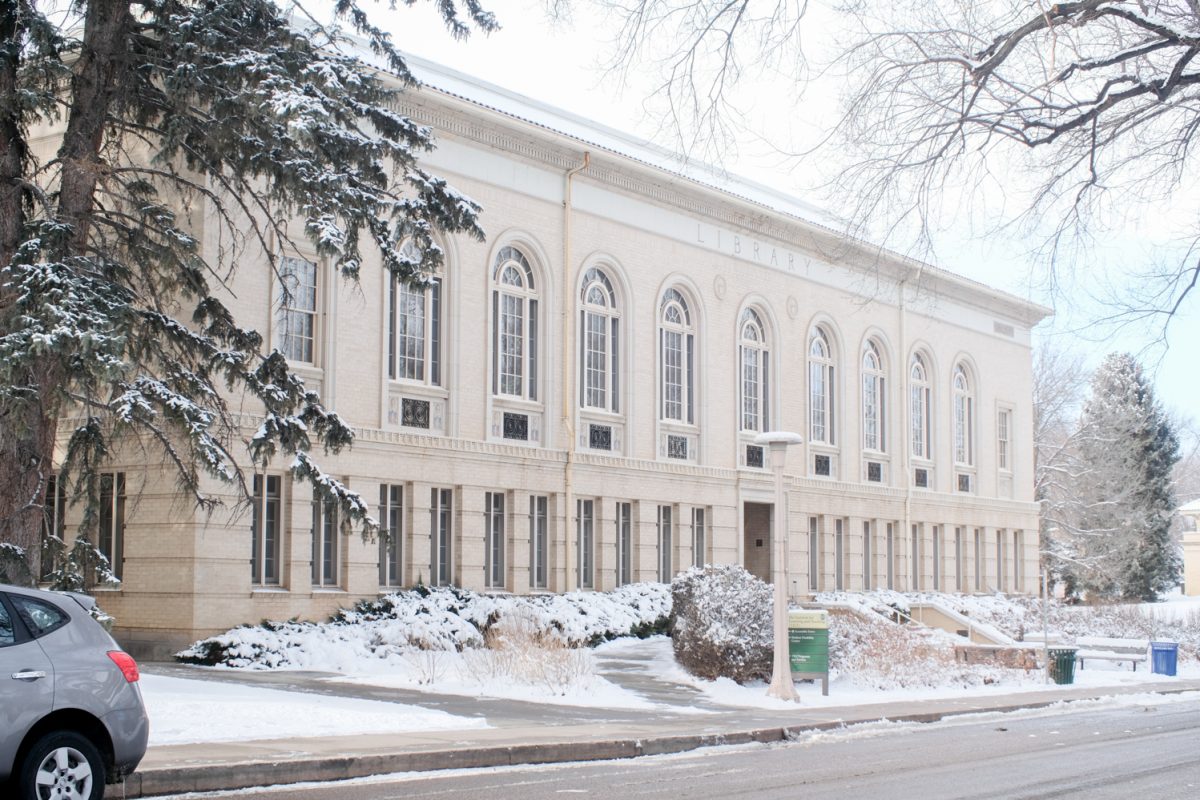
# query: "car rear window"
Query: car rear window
{"points": [[41, 618], [6, 627]]}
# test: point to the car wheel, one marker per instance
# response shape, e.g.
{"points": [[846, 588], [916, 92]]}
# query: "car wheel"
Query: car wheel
{"points": [[63, 765]]}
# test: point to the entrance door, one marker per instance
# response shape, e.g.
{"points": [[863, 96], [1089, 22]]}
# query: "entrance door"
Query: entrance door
{"points": [[756, 527]]}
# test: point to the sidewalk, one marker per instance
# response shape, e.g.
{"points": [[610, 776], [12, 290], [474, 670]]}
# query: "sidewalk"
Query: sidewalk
{"points": [[527, 733]]}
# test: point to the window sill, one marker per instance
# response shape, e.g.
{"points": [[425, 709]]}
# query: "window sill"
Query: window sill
{"points": [[418, 388], [601, 415], [268, 590], [520, 403], [328, 590]]}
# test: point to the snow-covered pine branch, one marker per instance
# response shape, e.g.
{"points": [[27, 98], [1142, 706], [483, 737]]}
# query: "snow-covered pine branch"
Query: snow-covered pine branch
{"points": [[250, 115]]}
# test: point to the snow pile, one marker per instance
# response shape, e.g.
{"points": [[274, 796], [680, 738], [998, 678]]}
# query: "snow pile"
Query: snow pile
{"points": [[443, 619], [721, 623]]}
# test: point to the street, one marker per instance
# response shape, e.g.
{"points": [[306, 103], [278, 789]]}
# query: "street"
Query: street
{"points": [[1148, 750]]}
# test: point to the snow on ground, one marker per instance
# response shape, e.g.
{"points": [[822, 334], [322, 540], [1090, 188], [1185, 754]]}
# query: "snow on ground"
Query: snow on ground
{"points": [[844, 691], [459, 676], [1175, 607], [445, 641], [184, 711]]}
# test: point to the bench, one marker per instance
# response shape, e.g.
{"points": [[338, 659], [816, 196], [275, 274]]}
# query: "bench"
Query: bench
{"points": [[1100, 648]]}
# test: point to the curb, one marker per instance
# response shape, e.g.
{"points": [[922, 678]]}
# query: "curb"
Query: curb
{"points": [[249, 774]]}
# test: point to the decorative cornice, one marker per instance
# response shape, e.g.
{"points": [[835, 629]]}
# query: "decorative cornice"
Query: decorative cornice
{"points": [[463, 118]]}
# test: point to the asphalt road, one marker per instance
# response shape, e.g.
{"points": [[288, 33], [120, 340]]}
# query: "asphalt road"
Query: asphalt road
{"points": [[1145, 752]]}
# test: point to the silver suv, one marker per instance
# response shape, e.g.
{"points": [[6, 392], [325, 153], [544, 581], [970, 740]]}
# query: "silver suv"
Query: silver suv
{"points": [[71, 712]]}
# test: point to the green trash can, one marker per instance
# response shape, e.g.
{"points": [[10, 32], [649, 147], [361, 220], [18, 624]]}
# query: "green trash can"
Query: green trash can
{"points": [[1062, 664]]}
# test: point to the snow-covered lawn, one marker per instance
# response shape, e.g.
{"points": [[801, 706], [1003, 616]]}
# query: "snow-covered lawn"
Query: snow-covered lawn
{"points": [[185, 711], [590, 691], [195, 711], [845, 691], [1175, 607]]}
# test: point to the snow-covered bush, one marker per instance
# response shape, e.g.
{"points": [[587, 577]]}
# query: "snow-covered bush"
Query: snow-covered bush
{"points": [[1019, 616], [721, 623], [874, 653], [433, 619]]}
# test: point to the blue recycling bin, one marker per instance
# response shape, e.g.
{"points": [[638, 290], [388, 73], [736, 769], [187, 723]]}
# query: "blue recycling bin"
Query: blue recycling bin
{"points": [[1163, 657]]}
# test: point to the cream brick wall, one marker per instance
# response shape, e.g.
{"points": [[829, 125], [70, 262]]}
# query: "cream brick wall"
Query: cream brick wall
{"points": [[188, 574]]}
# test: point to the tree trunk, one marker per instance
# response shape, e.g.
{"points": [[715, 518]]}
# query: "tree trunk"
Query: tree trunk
{"points": [[93, 87], [13, 147], [26, 453], [28, 422]]}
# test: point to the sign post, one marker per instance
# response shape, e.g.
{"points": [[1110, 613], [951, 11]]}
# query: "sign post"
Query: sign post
{"points": [[808, 646]]}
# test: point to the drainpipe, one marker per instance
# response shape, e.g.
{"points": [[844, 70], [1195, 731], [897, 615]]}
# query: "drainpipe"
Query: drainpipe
{"points": [[906, 443], [568, 420]]}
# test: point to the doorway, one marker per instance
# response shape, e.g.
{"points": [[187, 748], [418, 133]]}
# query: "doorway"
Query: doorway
{"points": [[756, 532]]}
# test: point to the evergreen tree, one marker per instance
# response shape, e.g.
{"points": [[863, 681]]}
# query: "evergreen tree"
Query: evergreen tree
{"points": [[239, 113], [1120, 543]]}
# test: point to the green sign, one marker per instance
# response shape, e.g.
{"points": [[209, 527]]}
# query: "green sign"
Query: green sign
{"points": [[808, 641]]}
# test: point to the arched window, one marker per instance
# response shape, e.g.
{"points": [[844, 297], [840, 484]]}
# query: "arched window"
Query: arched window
{"points": [[514, 326], [964, 418], [677, 347], [599, 320], [755, 372], [874, 407], [820, 388], [415, 329], [920, 405]]}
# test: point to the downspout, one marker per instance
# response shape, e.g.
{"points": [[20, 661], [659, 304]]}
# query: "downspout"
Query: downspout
{"points": [[906, 443], [568, 421]]}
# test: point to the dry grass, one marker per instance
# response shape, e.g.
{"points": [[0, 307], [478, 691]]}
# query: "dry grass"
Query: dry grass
{"points": [[519, 649], [428, 665], [879, 654]]}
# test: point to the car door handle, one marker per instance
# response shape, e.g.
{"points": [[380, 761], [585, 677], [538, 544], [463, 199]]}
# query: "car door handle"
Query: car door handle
{"points": [[28, 675]]}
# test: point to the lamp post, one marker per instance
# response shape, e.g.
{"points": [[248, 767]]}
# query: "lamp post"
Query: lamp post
{"points": [[781, 669]]}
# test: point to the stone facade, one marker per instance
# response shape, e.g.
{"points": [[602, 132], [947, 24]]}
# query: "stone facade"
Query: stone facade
{"points": [[655, 469], [1191, 548]]}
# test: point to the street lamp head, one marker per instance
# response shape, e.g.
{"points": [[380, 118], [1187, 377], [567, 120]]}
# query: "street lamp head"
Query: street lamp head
{"points": [[778, 439]]}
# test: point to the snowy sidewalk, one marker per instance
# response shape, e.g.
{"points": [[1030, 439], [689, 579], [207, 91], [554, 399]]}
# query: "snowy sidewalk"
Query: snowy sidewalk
{"points": [[519, 732]]}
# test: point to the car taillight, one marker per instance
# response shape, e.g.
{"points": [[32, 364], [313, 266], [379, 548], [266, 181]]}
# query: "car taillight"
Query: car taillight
{"points": [[126, 664]]}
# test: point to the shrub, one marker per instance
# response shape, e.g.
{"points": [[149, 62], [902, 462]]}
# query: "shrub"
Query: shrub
{"points": [[425, 619], [721, 623]]}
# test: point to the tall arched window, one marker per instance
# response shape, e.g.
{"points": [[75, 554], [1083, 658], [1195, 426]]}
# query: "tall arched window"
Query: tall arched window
{"points": [[820, 388], [920, 406], [677, 346], [755, 372], [964, 418], [873, 399], [599, 320], [514, 326], [415, 329]]}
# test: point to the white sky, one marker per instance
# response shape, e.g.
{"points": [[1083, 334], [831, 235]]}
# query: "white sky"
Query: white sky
{"points": [[560, 65]]}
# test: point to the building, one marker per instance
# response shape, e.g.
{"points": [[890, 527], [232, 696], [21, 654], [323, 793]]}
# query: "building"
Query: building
{"points": [[573, 403], [1189, 513]]}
